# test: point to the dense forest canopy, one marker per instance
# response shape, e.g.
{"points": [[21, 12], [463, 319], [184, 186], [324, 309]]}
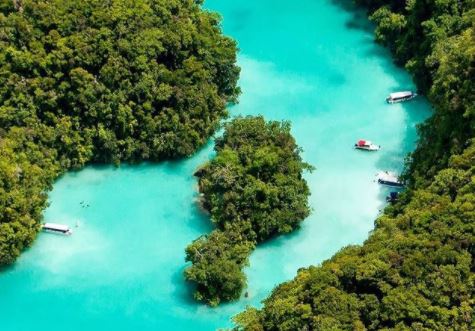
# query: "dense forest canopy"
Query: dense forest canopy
{"points": [[435, 41], [254, 190], [101, 81], [416, 271]]}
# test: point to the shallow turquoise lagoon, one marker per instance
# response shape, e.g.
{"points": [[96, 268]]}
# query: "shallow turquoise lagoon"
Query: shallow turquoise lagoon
{"points": [[312, 62]]}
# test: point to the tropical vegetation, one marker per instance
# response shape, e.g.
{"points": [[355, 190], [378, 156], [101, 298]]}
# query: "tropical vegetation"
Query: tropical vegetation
{"points": [[101, 81], [253, 190]]}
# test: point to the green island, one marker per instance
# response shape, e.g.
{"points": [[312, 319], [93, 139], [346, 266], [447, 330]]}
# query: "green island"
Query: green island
{"points": [[253, 190], [416, 269], [101, 82]]}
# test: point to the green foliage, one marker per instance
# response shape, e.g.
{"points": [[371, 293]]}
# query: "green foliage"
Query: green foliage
{"points": [[101, 81], [414, 272], [416, 269], [254, 190], [389, 25], [435, 40], [217, 266]]}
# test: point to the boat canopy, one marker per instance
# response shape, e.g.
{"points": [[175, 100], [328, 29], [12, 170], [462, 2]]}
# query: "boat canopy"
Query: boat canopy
{"points": [[388, 177], [400, 95], [362, 143], [57, 227]]}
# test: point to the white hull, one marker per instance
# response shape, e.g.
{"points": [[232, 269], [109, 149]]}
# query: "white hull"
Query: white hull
{"points": [[57, 229], [371, 148], [68, 233], [391, 101]]}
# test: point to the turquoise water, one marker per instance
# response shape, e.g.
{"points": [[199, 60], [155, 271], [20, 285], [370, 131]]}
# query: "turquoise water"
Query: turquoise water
{"points": [[311, 62]]}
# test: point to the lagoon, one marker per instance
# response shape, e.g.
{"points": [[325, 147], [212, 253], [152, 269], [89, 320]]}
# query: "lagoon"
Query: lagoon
{"points": [[313, 63]]}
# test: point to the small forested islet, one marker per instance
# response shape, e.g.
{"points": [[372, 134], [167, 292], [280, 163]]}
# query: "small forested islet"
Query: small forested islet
{"points": [[254, 190]]}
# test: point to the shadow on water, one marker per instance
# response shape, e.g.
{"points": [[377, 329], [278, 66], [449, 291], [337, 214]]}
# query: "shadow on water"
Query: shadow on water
{"points": [[376, 50], [240, 17], [5, 269], [281, 240], [359, 20], [416, 113], [201, 220], [184, 291], [359, 16]]}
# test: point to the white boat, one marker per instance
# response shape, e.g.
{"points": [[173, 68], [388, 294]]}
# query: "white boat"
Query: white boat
{"points": [[401, 96], [57, 228], [367, 145], [389, 179]]}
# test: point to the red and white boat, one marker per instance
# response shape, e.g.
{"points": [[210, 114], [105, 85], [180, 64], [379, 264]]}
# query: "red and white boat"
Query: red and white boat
{"points": [[367, 145]]}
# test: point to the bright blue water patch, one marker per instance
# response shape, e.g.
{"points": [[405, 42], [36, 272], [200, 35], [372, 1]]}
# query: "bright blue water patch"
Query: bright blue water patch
{"points": [[311, 62]]}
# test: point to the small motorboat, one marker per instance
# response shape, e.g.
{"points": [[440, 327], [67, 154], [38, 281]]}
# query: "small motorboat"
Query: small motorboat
{"points": [[392, 197], [389, 179], [367, 145], [57, 228], [400, 96]]}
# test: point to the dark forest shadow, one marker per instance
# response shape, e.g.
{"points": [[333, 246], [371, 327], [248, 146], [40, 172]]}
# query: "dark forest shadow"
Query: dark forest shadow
{"points": [[359, 16]]}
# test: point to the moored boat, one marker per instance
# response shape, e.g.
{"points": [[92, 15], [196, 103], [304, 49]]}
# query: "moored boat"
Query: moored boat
{"points": [[367, 145], [400, 96], [389, 179], [57, 228]]}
